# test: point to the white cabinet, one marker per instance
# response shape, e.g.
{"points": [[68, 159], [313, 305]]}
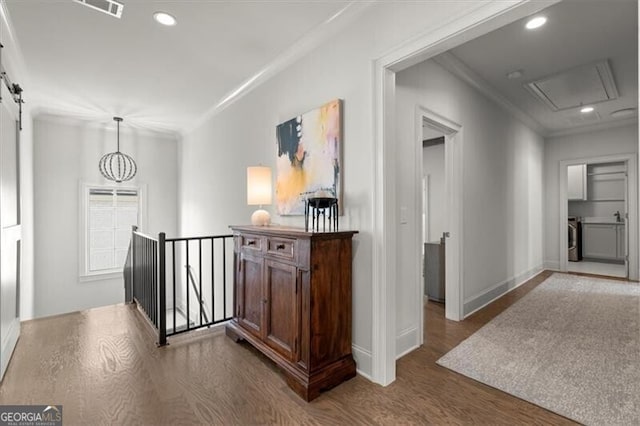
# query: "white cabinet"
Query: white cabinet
{"points": [[599, 241], [577, 182], [603, 241]]}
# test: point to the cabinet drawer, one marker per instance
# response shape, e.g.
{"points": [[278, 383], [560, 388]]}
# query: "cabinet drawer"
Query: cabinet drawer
{"points": [[250, 243], [281, 247]]}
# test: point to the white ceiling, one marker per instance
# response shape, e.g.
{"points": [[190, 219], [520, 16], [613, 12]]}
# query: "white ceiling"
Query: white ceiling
{"points": [[576, 33], [86, 63]]}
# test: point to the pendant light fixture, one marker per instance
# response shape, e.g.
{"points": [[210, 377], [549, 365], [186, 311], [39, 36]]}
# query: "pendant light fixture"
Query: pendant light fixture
{"points": [[117, 166]]}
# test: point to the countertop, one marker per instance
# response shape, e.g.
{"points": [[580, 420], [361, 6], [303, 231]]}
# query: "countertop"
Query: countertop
{"points": [[608, 220]]}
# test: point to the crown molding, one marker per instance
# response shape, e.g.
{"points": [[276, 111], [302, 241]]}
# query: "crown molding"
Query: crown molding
{"points": [[302, 47], [455, 66], [590, 128]]}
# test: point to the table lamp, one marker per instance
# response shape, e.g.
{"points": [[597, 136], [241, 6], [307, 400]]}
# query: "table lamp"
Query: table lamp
{"points": [[259, 193]]}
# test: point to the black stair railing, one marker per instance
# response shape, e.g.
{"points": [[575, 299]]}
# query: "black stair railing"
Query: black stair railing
{"points": [[152, 275], [203, 282], [147, 288]]}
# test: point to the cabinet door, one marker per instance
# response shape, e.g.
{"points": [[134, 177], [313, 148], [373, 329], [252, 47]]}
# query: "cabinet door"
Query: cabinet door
{"points": [[599, 241], [577, 182], [621, 252], [250, 303], [281, 324]]}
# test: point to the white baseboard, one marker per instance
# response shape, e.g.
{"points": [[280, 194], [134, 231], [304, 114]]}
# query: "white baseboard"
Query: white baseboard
{"points": [[552, 265], [475, 303], [407, 341], [363, 362]]}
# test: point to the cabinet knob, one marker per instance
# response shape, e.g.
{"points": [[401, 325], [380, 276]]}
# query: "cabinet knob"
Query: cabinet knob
{"points": [[280, 247], [264, 301], [251, 243]]}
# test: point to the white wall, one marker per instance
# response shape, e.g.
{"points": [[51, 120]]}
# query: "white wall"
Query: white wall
{"points": [[620, 140], [502, 196], [433, 166], [214, 156], [67, 152]]}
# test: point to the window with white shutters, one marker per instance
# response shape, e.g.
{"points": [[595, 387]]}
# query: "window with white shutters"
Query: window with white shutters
{"points": [[109, 214]]}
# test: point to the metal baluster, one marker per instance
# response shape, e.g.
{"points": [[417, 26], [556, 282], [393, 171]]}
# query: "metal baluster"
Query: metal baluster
{"points": [[154, 282], [162, 326], [224, 277], [201, 297], [173, 267], [143, 273], [213, 280], [187, 287]]}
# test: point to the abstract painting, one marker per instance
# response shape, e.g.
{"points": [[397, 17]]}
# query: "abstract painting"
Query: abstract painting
{"points": [[309, 148]]}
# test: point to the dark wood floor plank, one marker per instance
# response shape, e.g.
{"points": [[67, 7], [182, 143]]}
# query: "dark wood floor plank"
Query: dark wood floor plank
{"points": [[103, 366]]}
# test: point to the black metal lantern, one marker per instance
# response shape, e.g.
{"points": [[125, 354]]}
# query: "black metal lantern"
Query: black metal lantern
{"points": [[321, 203], [117, 166]]}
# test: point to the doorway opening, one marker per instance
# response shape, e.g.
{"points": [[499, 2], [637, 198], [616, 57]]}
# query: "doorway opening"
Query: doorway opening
{"points": [[434, 221], [440, 154], [434, 214], [385, 284], [598, 205]]}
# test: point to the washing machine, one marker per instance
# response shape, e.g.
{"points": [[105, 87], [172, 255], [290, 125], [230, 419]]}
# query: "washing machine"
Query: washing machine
{"points": [[575, 239]]}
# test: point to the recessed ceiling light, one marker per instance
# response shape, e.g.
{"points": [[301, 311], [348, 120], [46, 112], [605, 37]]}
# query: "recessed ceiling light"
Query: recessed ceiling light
{"points": [[626, 112], [165, 19], [586, 110], [536, 22], [513, 75]]}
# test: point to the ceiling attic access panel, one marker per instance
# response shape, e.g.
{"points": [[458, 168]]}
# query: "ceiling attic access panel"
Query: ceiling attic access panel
{"points": [[110, 7], [573, 88]]}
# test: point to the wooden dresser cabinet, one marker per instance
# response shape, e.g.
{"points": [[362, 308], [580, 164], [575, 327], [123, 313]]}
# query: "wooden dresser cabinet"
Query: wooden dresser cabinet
{"points": [[293, 302]]}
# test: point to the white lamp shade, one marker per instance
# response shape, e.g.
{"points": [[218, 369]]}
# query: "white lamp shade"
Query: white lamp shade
{"points": [[258, 186]]}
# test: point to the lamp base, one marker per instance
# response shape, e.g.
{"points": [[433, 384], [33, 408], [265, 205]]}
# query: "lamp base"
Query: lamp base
{"points": [[260, 218]]}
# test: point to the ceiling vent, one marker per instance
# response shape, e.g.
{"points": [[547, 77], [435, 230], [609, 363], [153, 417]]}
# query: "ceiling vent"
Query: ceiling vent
{"points": [[573, 88], [109, 7]]}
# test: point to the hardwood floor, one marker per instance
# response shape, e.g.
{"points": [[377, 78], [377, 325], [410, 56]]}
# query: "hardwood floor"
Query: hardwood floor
{"points": [[103, 366]]}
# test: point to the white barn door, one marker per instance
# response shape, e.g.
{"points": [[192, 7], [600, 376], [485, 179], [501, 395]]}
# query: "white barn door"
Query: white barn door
{"points": [[10, 227]]}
